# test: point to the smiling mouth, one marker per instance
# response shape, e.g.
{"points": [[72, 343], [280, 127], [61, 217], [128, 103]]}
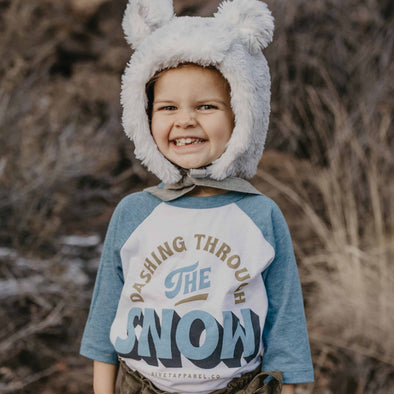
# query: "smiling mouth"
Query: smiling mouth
{"points": [[187, 141]]}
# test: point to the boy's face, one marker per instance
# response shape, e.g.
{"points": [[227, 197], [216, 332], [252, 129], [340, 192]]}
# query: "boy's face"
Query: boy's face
{"points": [[192, 119]]}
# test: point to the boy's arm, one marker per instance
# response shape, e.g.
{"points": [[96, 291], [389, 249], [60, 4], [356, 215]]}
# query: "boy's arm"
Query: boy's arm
{"points": [[104, 377], [285, 337], [288, 389]]}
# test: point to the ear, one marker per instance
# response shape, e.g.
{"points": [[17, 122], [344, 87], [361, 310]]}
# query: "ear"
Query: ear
{"points": [[252, 18], [142, 17]]}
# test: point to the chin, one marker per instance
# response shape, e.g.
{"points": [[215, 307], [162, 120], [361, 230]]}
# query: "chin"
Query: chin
{"points": [[191, 166]]}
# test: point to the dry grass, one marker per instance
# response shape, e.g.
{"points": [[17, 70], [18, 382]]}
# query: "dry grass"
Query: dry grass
{"points": [[335, 112], [64, 162], [59, 115], [344, 240]]}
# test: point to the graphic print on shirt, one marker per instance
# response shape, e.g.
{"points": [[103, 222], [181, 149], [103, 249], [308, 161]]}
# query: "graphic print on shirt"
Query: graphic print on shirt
{"points": [[193, 298], [168, 336], [202, 242], [187, 280]]}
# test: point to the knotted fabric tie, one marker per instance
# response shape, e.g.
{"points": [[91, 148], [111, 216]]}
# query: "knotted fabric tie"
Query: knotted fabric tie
{"points": [[198, 177]]}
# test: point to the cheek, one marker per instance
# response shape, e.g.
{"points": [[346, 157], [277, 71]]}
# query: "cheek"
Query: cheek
{"points": [[155, 129], [224, 131]]}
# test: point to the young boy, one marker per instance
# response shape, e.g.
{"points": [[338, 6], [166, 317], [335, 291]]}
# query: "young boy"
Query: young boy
{"points": [[198, 275]]}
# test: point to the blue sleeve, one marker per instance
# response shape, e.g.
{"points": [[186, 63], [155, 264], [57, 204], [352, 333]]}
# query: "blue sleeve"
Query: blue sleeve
{"points": [[128, 215], [108, 287], [285, 337]]}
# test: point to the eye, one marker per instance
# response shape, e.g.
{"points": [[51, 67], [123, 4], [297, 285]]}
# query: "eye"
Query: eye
{"points": [[207, 107], [167, 108]]}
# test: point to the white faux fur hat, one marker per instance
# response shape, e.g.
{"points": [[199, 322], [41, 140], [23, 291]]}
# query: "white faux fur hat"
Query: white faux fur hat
{"points": [[232, 41]]}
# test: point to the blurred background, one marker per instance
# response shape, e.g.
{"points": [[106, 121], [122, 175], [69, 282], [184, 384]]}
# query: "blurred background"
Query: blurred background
{"points": [[65, 163]]}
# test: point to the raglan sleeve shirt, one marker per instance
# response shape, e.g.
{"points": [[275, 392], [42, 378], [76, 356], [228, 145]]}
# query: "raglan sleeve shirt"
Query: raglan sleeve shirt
{"points": [[284, 335]]}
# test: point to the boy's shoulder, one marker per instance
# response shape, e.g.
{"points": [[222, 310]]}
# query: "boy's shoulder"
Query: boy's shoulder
{"points": [[137, 204], [130, 212], [259, 203], [264, 213], [140, 198]]}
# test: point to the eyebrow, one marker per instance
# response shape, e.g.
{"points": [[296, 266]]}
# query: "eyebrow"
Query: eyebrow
{"points": [[211, 100], [204, 101], [163, 101]]}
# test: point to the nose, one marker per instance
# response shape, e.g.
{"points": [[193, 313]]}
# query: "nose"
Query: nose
{"points": [[185, 119]]}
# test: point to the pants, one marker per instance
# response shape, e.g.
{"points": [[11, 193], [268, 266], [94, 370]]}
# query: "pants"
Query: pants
{"points": [[132, 382]]}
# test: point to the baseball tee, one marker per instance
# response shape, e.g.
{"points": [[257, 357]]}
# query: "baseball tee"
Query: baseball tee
{"points": [[193, 291]]}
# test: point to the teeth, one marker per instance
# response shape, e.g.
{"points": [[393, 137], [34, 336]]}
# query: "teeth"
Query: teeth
{"points": [[186, 141]]}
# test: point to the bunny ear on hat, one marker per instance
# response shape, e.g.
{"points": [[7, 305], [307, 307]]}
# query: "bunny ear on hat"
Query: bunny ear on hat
{"points": [[252, 18], [142, 17]]}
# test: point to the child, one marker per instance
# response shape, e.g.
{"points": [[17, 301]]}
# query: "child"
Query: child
{"points": [[197, 275]]}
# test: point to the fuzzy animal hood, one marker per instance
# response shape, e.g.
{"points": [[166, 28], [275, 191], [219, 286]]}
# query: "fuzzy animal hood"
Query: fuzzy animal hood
{"points": [[232, 41]]}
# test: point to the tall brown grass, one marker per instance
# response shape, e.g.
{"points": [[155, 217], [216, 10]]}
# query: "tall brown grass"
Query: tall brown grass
{"points": [[344, 240], [59, 114], [335, 112]]}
